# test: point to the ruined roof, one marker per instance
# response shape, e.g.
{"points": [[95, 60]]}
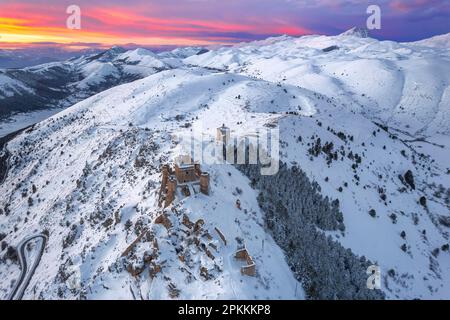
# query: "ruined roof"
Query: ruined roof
{"points": [[184, 161]]}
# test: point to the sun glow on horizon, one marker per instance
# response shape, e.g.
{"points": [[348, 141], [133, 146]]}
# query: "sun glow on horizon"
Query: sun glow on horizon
{"points": [[25, 23]]}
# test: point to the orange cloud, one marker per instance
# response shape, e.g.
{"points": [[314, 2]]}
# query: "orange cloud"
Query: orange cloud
{"points": [[22, 23]]}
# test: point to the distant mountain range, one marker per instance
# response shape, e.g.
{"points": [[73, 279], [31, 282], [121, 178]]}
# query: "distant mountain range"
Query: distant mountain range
{"points": [[22, 58], [61, 84]]}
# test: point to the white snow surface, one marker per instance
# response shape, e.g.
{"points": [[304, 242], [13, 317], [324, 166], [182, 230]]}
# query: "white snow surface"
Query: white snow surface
{"points": [[440, 41]]}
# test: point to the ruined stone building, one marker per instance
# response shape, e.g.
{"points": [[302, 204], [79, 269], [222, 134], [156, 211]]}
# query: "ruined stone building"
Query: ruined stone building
{"points": [[223, 134], [242, 149], [186, 178], [250, 268], [185, 169]]}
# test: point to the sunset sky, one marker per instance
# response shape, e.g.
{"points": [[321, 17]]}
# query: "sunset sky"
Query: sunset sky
{"points": [[208, 22]]}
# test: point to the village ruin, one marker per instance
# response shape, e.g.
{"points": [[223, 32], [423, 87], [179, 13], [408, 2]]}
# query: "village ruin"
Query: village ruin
{"points": [[185, 178]]}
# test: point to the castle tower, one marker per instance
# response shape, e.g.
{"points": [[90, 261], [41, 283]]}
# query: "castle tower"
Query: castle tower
{"points": [[165, 176], [171, 188], [198, 170], [204, 183], [223, 134], [223, 137], [185, 170]]}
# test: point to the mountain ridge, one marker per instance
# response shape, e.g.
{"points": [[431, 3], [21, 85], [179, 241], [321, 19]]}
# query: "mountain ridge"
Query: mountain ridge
{"points": [[439, 41]]}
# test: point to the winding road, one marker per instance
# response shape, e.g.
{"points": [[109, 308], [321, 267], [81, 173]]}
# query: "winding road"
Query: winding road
{"points": [[27, 270]]}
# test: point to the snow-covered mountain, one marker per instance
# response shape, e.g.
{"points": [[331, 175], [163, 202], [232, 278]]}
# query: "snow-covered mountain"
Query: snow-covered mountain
{"points": [[61, 84], [396, 84], [441, 41], [364, 178], [356, 32]]}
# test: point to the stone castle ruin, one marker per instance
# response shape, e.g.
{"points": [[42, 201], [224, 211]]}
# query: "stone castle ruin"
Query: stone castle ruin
{"points": [[259, 147], [183, 180], [250, 268]]}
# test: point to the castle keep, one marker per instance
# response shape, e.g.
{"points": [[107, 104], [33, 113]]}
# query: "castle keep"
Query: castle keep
{"points": [[223, 134], [184, 179]]}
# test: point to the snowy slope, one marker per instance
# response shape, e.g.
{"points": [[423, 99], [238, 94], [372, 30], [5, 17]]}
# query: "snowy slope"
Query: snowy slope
{"points": [[400, 85], [365, 81], [375, 184], [441, 41], [101, 155]]}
